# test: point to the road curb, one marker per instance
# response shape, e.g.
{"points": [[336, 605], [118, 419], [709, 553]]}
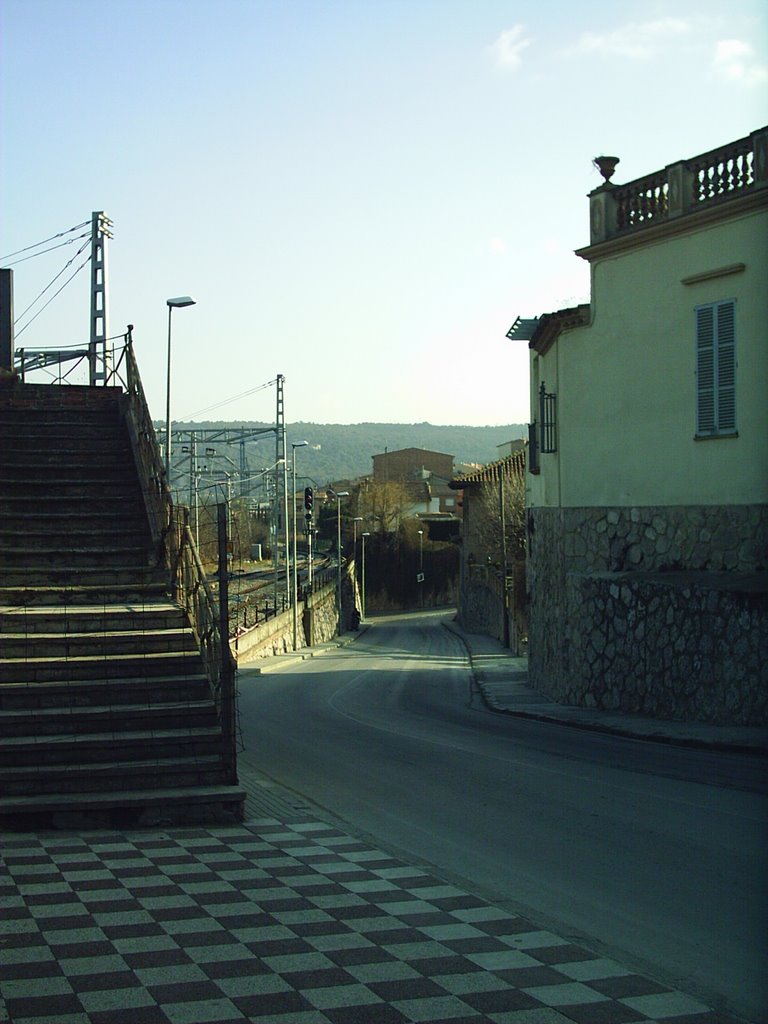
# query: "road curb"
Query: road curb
{"points": [[590, 724], [263, 666]]}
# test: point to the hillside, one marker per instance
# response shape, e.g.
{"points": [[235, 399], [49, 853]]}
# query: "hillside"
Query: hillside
{"points": [[344, 451]]}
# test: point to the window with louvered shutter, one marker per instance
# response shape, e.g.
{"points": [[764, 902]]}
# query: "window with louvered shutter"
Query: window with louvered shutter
{"points": [[716, 369]]}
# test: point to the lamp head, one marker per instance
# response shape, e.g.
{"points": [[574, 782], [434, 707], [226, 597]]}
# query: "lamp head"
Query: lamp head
{"points": [[180, 301]]}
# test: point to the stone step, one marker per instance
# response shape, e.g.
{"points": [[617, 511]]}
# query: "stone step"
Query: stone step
{"points": [[101, 535], [50, 479], [96, 692], [54, 452], [64, 484], [74, 594], [113, 776], [59, 522], [69, 396], [62, 427], [78, 579], [114, 667], [92, 557], [18, 507], [141, 808], [98, 718], [98, 644], [140, 745], [86, 618], [17, 408]]}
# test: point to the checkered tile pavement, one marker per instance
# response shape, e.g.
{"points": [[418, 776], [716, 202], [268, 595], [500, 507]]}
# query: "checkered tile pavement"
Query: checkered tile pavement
{"points": [[283, 922]]}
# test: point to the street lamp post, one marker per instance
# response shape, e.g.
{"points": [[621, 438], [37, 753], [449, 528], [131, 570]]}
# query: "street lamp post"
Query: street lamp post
{"points": [[294, 446], [355, 521], [177, 303], [362, 593], [421, 567], [339, 496]]}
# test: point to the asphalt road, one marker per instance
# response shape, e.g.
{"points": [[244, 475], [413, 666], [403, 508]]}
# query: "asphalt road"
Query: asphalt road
{"points": [[654, 855]]}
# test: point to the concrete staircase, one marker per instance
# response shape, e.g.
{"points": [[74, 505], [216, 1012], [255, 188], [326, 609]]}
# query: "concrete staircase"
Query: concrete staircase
{"points": [[106, 713]]}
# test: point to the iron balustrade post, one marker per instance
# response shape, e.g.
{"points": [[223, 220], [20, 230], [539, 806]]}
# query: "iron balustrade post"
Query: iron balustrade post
{"points": [[227, 668]]}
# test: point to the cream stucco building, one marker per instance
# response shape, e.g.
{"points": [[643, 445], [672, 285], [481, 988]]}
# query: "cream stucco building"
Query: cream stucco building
{"points": [[647, 489]]}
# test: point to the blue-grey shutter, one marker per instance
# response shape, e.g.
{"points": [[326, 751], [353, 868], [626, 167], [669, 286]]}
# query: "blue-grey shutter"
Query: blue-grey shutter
{"points": [[716, 368], [705, 370], [726, 366]]}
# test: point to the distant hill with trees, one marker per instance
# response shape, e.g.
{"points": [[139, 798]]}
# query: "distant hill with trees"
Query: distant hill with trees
{"points": [[344, 451]]}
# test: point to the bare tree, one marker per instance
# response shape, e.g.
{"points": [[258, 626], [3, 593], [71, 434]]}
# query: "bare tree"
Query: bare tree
{"points": [[383, 504], [501, 527]]}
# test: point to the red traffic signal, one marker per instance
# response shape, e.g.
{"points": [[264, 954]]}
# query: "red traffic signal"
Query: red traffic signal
{"points": [[308, 498]]}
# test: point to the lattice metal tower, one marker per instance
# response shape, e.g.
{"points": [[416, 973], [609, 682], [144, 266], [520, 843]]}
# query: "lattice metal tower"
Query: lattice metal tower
{"points": [[281, 477], [98, 357]]}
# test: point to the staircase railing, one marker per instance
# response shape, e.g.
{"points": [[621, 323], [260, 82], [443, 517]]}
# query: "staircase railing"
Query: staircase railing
{"points": [[177, 552]]}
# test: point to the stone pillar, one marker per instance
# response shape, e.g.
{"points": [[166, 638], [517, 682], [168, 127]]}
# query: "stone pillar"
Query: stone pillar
{"points": [[602, 214], [680, 197], [760, 162], [6, 319]]}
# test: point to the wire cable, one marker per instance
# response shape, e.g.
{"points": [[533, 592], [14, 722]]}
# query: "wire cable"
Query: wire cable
{"points": [[61, 245], [85, 261], [45, 240], [49, 285], [228, 401]]}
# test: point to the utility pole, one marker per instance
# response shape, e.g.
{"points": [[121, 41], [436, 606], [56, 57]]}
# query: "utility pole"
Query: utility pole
{"points": [[505, 596], [193, 485], [97, 347], [284, 456], [280, 466]]}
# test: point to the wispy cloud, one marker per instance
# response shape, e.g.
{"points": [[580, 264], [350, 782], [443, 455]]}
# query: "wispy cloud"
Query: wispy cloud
{"points": [[508, 47], [736, 61], [635, 40]]}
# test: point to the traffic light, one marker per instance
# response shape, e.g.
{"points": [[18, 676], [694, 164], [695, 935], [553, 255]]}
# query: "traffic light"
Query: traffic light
{"points": [[308, 498]]}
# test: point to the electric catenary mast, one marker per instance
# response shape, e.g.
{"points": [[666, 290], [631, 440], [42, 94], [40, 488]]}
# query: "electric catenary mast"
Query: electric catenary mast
{"points": [[98, 357]]}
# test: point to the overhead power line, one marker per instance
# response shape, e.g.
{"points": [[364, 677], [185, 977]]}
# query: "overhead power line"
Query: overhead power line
{"points": [[51, 248], [50, 285], [228, 401], [45, 241], [70, 278]]}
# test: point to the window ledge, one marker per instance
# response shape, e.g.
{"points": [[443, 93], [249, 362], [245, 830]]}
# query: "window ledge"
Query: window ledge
{"points": [[709, 275], [716, 437]]}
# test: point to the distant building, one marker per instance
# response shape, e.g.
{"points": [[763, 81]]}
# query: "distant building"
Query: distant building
{"points": [[424, 474]]}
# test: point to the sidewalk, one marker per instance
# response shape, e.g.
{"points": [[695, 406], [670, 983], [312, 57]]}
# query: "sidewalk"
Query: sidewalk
{"points": [[287, 919], [290, 919], [502, 680]]}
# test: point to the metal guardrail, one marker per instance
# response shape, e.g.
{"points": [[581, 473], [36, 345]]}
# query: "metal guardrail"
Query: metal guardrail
{"points": [[176, 549]]}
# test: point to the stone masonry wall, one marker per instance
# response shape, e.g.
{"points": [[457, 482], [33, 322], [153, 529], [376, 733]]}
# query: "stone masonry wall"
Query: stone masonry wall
{"points": [[317, 623], [481, 605], [662, 611], [679, 649]]}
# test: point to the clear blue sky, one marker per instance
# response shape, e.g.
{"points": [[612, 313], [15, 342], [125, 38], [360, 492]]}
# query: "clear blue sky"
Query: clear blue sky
{"points": [[362, 195]]}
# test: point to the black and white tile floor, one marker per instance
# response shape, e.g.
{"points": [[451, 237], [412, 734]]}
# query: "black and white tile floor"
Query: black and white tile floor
{"points": [[283, 922]]}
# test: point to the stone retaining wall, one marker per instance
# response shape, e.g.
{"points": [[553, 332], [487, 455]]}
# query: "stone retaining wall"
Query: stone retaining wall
{"points": [[662, 611], [481, 607], [317, 623]]}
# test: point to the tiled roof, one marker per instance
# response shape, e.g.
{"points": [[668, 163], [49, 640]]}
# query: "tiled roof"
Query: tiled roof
{"points": [[551, 324], [511, 467]]}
